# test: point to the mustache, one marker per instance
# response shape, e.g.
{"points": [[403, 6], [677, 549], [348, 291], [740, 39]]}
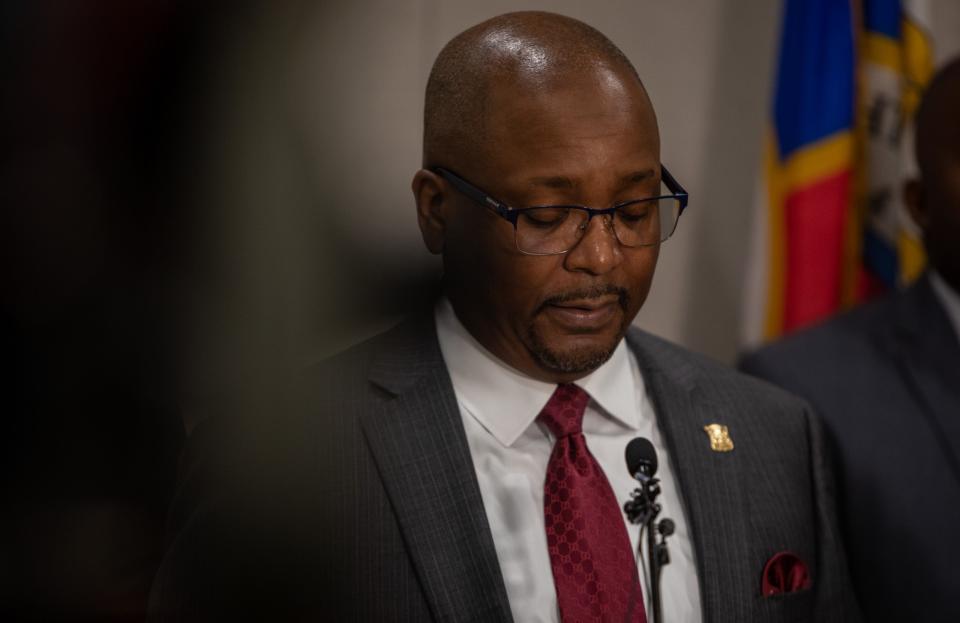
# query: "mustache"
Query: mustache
{"points": [[593, 292]]}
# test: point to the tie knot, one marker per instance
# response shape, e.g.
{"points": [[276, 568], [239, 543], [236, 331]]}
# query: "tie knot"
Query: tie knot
{"points": [[563, 413]]}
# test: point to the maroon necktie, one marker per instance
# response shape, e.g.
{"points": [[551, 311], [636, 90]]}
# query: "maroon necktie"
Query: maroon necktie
{"points": [[590, 552]]}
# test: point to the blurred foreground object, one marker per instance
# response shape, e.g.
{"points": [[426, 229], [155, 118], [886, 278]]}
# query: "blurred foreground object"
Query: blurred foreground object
{"points": [[93, 237]]}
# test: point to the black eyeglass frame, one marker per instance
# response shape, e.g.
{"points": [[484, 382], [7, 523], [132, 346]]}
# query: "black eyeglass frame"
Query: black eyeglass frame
{"points": [[511, 214]]}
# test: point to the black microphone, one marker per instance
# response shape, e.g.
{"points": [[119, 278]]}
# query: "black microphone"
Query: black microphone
{"points": [[641, 459], [642, 508]]}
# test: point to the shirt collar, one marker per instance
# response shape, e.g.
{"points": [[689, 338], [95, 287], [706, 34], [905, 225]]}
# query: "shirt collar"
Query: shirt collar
{"points": [[506, 402], [949, 299]]}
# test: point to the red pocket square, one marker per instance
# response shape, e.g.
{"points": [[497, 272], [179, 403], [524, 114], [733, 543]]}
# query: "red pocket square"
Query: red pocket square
{"points": [[785, 573]]}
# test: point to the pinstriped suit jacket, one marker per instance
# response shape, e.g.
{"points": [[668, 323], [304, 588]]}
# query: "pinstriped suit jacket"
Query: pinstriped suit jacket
{"points": [[391, 525]]}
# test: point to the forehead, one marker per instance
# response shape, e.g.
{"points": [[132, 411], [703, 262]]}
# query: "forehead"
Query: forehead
{"points": [[593, 119]]}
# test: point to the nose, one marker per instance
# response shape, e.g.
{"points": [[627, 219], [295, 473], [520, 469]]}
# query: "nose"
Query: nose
{"points": [[598, 250]]}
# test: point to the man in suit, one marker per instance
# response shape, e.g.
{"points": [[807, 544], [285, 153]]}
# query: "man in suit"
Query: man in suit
{"points": [[468, 464], [886, 379]]}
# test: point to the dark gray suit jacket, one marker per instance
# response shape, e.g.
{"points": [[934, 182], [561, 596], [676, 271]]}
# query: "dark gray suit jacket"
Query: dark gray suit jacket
{"points": [[390, 523], [886, 380]]}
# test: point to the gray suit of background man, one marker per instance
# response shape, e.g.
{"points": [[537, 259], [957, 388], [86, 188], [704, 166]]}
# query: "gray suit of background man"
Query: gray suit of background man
{"points": [[374, 510], [886, 378]]}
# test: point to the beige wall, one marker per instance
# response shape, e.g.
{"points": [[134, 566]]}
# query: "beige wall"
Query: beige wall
{"points": [[321, 136]]}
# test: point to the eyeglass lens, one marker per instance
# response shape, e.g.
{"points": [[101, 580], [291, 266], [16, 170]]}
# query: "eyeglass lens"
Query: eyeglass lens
{"points": [[557, 229]]}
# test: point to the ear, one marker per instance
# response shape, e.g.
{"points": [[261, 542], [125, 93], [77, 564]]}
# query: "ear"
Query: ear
{"points": [[913, 199], [432, 204]]}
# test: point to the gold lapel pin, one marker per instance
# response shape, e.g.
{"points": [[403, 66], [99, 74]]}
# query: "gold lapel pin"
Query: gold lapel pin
{"points": [[719, 438]]}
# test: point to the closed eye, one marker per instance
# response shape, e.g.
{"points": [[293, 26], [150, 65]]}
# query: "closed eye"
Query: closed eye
{"points": [[545, 218], [636, 212]]}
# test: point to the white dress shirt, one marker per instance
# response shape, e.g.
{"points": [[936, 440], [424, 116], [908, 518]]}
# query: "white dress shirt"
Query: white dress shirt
{"points": [[510, 452], [949, 298]]}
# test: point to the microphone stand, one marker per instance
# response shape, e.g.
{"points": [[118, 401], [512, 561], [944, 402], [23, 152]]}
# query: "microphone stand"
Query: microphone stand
{"points": [[642, 508]]}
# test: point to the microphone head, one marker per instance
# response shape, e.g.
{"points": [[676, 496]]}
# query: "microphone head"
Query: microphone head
{"points": [[641, 457], [666, 527]]}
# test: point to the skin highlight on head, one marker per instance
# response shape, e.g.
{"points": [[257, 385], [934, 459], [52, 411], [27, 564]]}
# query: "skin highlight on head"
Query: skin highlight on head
{"points": [[538, 109], [934, 199]]}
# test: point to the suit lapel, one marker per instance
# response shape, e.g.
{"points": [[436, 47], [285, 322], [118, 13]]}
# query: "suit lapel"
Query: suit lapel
{"points": [[421, 451], [710, 482], [928, 353]]}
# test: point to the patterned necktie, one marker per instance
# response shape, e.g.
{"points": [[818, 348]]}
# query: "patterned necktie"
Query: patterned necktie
{"points": [[590, 552]]}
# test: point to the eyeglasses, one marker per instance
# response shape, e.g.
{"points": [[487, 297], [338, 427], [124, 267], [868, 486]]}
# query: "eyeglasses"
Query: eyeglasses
{"points": [[555, 229]]}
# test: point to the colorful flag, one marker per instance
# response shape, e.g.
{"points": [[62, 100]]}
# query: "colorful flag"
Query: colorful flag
{"points": [[830, 227]]}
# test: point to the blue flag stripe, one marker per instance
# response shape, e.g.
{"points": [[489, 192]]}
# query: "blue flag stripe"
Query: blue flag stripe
{"points": [[882, 16], [814, 95]]}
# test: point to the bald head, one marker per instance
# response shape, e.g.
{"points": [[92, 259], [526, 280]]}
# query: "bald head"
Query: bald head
{"points": [[523, 52], [538, 110]]}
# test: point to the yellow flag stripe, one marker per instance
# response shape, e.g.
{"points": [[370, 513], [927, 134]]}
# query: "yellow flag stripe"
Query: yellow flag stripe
{"points": [[882, 50], [911, 255], [776, 238], [819, 160]]}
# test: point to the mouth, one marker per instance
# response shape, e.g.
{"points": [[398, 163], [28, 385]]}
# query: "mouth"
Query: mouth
{"points": [[586, 315]]}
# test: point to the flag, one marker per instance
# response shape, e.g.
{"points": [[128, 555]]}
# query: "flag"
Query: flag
{"points": [[830, 227], [897, 59], [801, 242]]}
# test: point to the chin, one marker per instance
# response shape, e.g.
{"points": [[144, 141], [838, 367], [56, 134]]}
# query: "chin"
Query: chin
{"points": [[572, 354]]}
